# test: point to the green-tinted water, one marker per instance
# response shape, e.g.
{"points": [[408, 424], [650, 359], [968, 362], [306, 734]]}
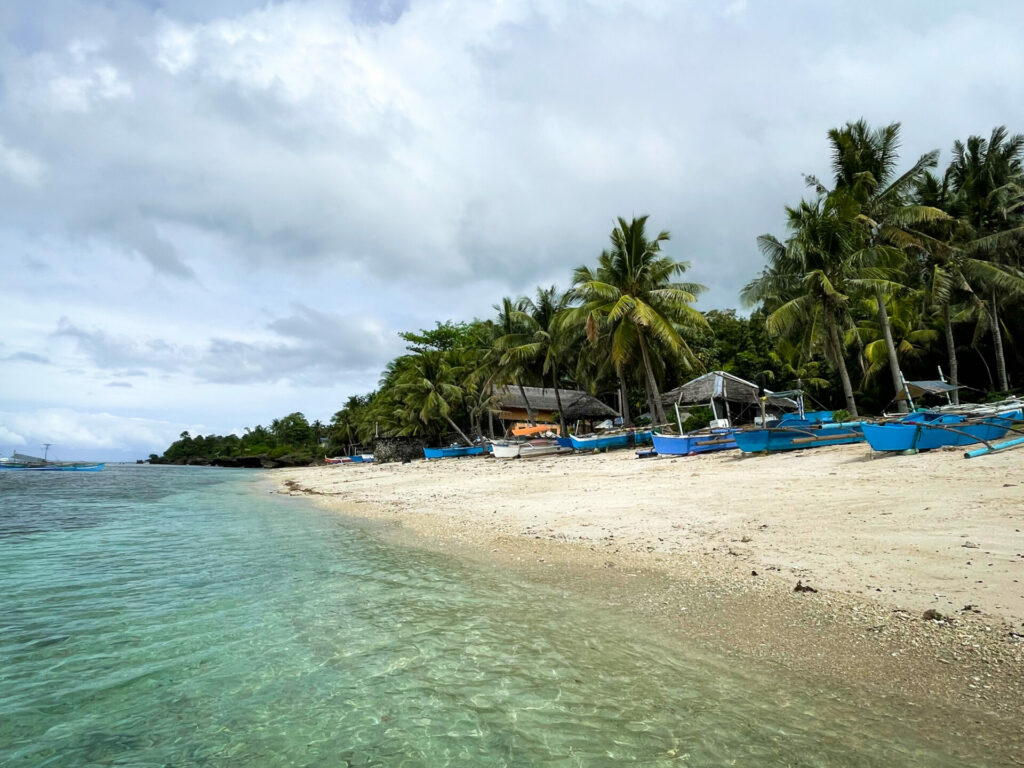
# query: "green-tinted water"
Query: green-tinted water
{"points": [[158, 616]]}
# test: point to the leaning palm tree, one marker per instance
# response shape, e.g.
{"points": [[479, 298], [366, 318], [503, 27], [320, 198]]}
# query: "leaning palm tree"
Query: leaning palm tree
{"points": [[807, 284], [428, 388], [633, 293], [542, 340], [864, 163]]}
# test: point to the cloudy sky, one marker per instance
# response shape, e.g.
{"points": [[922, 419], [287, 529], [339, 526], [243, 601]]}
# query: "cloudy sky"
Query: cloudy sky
{"points": [[215, 213]]}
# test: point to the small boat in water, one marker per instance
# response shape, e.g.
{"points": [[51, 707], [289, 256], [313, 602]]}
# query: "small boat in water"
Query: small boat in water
{"points": [[924, 431], [20, 461], [609, 441], [795, 432]]}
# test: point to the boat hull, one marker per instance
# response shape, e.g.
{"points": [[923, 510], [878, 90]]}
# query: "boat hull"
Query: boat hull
{"points": [[606, 442], [793, 436], [533, 449], [695, 442], [930, 430], [53, 468], [505, 450], [453, 453]]}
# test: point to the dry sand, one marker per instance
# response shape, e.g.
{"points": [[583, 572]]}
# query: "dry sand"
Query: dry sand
{"points": [[712, 547]]}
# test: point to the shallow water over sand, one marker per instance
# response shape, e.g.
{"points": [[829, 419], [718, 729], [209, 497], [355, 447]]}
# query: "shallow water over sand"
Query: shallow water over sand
{"points": [[182, 616]]}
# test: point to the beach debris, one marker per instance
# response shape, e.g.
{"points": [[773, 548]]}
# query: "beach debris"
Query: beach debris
{"points": [[801, 587], [932, 615], [971, 608], [745, 540], [969, 545], [753, 573]]}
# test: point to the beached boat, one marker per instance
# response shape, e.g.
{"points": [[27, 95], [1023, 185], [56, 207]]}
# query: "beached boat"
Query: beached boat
{"points": [[338, 460], [453, 452], [505, 449], [927, 430], [699, 441], [20, 461], [794, 432], [607, 442]]}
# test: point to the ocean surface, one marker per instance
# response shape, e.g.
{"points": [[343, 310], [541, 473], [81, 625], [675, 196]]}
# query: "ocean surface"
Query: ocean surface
{"points": [[173, 616]]}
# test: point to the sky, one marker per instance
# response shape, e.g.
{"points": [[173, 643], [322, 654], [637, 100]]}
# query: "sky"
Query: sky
{"points": [[213, 214]]}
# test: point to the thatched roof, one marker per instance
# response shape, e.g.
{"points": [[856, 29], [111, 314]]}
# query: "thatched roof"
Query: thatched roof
{"points": [[575, 403], [721, 386]]}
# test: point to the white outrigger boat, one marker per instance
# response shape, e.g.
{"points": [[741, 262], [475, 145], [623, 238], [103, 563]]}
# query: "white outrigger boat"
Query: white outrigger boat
{"points": [[507, 449]]}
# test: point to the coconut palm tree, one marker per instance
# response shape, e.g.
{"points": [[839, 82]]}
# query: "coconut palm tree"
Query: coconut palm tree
{"points": [[427, 387], [807, 284], [510, 325], [633, 293], [542, 340], [986, 177], [864, 163]]}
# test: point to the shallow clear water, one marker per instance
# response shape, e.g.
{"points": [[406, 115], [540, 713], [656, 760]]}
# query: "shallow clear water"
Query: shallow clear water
{"points": [[156, 616]]}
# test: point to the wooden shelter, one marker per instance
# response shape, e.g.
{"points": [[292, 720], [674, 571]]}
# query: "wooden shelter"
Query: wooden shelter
{"points": [[576, 405]]}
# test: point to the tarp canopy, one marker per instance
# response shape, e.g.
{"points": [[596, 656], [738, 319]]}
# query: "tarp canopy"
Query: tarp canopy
{"points": [[931, 387], [720, 385]]}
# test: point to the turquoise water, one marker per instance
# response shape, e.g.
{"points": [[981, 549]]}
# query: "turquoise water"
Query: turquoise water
{"points": [[165, 616]]}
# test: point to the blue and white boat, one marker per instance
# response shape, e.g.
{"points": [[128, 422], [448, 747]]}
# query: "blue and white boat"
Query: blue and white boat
{"points": [[21, 462], [924, 431], [453, 452], [795, 432], [607, 442], [700, 441]]}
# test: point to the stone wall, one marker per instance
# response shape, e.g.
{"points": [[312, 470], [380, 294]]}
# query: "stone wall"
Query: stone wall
{"points": [[387, 449]]}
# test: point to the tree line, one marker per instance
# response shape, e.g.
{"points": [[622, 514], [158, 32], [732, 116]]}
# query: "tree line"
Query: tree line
{"points": [[880, 274]]}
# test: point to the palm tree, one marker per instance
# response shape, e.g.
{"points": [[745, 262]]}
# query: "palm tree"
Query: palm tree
{"points": [[542, 340], [807, 282], [510, 325], [864, 165], [427, 388], [987, 180], [633, 292]]}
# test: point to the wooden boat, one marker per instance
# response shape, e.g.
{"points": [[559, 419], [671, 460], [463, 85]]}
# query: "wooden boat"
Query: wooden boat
{"points": [[453, 452], [22, 462], [927, 430], [504, 449], [338, 460], [699, 441], [793, 432], [606, 442]]}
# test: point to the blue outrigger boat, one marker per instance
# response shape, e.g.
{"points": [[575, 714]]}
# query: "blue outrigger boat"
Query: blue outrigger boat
{"points": [[924, 431], [606, 442], [453, 452], [703, 441], [794, 432]]}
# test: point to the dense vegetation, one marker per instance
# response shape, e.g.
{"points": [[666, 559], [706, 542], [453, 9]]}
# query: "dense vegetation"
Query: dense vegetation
{"points": [[881, 273]]}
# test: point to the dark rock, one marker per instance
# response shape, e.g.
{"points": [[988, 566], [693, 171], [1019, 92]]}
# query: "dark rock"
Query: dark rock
{"points": [[801, 587], [932, 615]]}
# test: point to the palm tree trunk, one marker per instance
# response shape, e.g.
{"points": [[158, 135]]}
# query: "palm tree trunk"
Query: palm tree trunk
{"points": [[997, 342], [657, 411], [530, 415], [558, 400], [840, 362], [951, 352], [627, 419], [894, 362], [456, 428]]}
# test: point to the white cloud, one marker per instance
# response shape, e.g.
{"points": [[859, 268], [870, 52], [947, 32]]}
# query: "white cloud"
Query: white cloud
{"points": [[21, 165], [68, 429]]}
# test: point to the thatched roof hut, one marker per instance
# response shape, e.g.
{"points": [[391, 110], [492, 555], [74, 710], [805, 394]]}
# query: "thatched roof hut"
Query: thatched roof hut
{"points": [[721, 386], [576, 404]]}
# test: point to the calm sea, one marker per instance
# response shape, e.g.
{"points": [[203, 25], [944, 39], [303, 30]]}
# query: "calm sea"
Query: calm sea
{"points": [[168, 616]]}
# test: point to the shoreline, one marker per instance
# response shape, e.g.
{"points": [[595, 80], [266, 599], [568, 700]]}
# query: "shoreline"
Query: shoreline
{"points": [[678, 541]]}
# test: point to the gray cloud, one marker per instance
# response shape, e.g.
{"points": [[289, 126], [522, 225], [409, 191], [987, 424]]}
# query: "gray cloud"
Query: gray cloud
{"points": [[27, 357], [317, 348]]}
